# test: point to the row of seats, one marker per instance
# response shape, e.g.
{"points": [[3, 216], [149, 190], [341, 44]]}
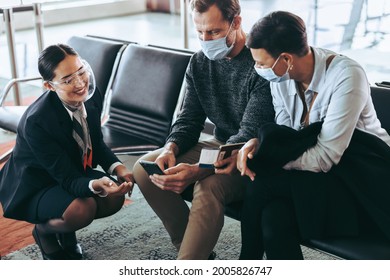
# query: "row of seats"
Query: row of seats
{"points": [[142, 87]]}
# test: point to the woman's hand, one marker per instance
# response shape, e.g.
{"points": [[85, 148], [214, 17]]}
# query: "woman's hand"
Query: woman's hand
{"points": [[249, 150], [106, 187], [124, 175]]}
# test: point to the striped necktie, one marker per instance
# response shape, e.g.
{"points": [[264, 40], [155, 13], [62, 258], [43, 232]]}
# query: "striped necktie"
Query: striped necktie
{"points": [[81, 135]]}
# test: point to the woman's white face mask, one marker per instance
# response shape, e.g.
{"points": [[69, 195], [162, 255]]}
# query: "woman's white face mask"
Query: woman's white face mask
{"points": [[269, 74], [217, 48]]}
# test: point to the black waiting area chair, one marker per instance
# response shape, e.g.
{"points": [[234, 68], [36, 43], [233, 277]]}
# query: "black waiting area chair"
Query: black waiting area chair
{"points": [[10, 114], [144, 97], [142, 86], [103, 56]]}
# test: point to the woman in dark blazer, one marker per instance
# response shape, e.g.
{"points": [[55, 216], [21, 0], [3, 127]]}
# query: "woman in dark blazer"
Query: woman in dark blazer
{"points": [[49, 179]]}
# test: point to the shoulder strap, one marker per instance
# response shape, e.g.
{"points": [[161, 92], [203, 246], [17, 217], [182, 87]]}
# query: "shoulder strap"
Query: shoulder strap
{"points": [[306, 111]]}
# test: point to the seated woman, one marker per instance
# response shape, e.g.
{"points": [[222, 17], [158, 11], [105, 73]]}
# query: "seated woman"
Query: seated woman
{"points": [[49, 179], [319, 171]]}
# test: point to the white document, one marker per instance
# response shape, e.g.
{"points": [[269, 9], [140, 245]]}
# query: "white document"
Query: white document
{"points": [[208, 157]]}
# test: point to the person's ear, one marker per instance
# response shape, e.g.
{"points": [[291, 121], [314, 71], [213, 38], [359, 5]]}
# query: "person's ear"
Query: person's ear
{"points": [[48, 86], [237, 22], [288, 58]]}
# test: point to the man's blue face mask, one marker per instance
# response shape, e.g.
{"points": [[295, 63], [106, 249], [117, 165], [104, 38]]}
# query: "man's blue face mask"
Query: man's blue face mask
{"points": [[217, 48], [269, 74]]}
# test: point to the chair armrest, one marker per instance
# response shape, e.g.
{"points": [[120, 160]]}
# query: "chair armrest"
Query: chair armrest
{"points": [[11, 83]]}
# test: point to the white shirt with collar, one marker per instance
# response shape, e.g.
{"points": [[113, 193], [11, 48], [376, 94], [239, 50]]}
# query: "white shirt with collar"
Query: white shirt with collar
{"points": [[343, 103]]}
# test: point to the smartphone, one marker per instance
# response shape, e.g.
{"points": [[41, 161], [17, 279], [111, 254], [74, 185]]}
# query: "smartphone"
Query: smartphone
{"points": [[151, 167], [228, 150]]}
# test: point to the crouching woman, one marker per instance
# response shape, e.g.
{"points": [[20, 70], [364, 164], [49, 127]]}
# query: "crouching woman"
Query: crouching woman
{"points": [[50, 179]]}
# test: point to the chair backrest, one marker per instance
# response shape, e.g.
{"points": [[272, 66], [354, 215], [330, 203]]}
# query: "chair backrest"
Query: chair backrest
{"points": [[381, 99], [101, 54], [145, 92]]}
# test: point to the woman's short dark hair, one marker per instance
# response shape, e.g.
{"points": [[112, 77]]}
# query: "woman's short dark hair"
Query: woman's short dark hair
{"points": [[50, 57], [228, 8], [279, 32]]}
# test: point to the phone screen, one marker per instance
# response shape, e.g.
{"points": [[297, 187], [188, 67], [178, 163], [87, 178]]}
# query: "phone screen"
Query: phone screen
{"points": [[151, 167]]}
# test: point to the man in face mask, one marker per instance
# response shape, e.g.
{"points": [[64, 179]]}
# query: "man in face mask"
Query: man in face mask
{"points": [[213, 45], [222, 85]]}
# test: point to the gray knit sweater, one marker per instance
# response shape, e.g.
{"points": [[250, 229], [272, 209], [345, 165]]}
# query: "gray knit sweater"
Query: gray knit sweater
{"points": [[230, 93]]}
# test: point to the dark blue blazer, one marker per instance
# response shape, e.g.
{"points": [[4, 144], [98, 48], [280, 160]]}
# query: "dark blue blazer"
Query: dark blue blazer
{"points": [[46, 154]]}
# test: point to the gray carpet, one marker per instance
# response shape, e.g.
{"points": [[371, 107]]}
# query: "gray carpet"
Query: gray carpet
{"points": [[135, 232]]}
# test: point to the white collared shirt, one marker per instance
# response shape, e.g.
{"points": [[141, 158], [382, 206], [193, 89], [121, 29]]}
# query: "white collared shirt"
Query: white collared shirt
{"points": [[343, 103]]}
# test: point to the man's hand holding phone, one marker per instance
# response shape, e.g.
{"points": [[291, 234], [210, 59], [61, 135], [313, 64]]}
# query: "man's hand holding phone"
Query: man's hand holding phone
{"points": [[177, 178], [174, 179]]}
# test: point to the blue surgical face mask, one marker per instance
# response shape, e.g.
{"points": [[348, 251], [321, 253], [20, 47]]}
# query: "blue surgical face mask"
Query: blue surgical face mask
{"points": [[269, 74], [217, 48]]}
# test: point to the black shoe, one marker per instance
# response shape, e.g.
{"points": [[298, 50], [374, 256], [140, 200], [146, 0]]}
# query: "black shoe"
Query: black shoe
{"points": [[58, 255], [70, 245], [212, 256]]}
